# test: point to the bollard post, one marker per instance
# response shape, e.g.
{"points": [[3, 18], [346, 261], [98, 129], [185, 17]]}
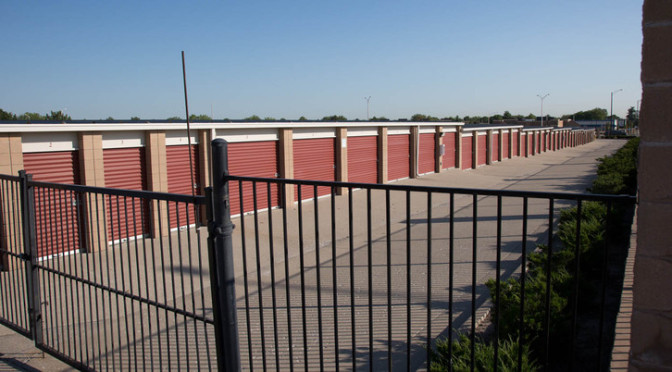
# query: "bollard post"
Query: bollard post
{"points": [[220, 252]]}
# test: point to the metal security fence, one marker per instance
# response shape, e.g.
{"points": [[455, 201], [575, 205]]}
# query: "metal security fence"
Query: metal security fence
{"points": [[87, 276], [371, 277], [367, 277]]}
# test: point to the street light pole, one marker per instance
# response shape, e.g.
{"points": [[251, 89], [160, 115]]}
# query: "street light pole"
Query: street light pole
{"points": [[367, 107], [542, 106], [611, 110]]}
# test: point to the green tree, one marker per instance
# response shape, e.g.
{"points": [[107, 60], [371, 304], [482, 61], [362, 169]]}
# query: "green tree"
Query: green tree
{"points": [[421, 117], [31, 116], [507, 115], [303, 118], [382, 118], [109, 118], [199, 117], [252, 118], [334, 118], [57, 116], [4, 115], [633, 117], [530, 116], [268, 118], [135, 118], [174, 118], [594, 114]]}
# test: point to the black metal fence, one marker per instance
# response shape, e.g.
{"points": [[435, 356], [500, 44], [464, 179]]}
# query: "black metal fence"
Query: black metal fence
{"points": [[94, 283], [370, 277]]}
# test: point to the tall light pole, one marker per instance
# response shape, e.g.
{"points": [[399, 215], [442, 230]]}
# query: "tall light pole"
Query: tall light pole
{"points": [[611, 110], [367, 107], [542, 106]]}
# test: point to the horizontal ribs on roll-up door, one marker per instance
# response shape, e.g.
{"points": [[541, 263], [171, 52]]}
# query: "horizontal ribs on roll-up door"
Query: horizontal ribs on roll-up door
{"points": [[427, 153], [398, 156], [182, 180], [314, 159], [125, 169], [56, 210], [482, 148], [450, 147], [363, 159], [253, 159], [467, 149]]}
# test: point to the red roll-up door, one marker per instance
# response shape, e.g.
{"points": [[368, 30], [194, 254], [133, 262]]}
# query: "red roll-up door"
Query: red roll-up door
{"points": [[482, 149], [427, 153], [182, 180], [467, 149], [253, 159], [125, 169], [398, 157], [363, 159], [505, 145], [514, 142], [57, 222], [495, 147], [314, 159], [450, 147]]}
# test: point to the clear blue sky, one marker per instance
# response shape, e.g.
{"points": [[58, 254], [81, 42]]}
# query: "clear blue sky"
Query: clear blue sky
{"points": [[316, 58]]}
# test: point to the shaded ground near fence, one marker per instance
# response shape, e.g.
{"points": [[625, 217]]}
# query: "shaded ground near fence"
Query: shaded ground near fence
{"points": [[300, 279]]}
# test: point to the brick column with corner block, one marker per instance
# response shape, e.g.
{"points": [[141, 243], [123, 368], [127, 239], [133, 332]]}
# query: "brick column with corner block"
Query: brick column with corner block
{"points": [[474, 149], [651, 339], [204, 156], [286, 166], [382, 155], [11, 162], [92, 173], [438, 158], [157, 180]]}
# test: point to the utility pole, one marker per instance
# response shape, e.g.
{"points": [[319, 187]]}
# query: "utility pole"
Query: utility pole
{"points": [[367, 107], [611, 110], [542, 106]]}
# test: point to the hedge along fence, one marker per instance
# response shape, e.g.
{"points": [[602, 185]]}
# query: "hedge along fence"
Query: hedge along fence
{"points": [[616, 174]]}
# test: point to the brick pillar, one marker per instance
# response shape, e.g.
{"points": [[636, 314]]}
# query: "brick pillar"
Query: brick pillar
{"points": [[474, 149], [341, 158], [415, 136], [11, 162], [286, 166], [438, 160], [92, 173], [157, 179], [651, 337], [510, 154], [458, 148], [534, 143], [205, 136], [382, 155], [500, 154]]}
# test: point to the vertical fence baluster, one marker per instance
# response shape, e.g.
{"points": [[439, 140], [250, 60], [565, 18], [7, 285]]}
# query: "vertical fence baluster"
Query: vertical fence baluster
{"points": [[523, 269], [408, 280], [604, 276], [498, 269], [549, 263], [369, 251], [334, 278], [317, 275], [303, 280], [243, 253], [577, 266], [30, 249], [352, 279], [388, 242], [287, 285], [451, 271], [474, 260], [429, 279], [272, 263], [257, 250]]}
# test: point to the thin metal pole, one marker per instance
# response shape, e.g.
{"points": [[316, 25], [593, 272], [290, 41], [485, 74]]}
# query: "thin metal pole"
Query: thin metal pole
{"points": [[223, 277], [542, 106], [186, 107]]}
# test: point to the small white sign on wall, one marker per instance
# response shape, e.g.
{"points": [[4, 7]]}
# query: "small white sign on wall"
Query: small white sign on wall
{"points": [[344, 142]]}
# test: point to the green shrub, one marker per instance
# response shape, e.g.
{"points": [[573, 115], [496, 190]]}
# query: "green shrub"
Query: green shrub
{"points": [[617, 174], [484, 356]]}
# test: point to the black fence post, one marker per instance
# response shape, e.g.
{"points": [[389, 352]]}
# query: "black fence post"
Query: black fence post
{"points": [[220, 250], [30, 257]]}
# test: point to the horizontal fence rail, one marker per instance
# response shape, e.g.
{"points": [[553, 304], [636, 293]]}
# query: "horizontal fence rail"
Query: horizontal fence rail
{"points": [[371, 276]]}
